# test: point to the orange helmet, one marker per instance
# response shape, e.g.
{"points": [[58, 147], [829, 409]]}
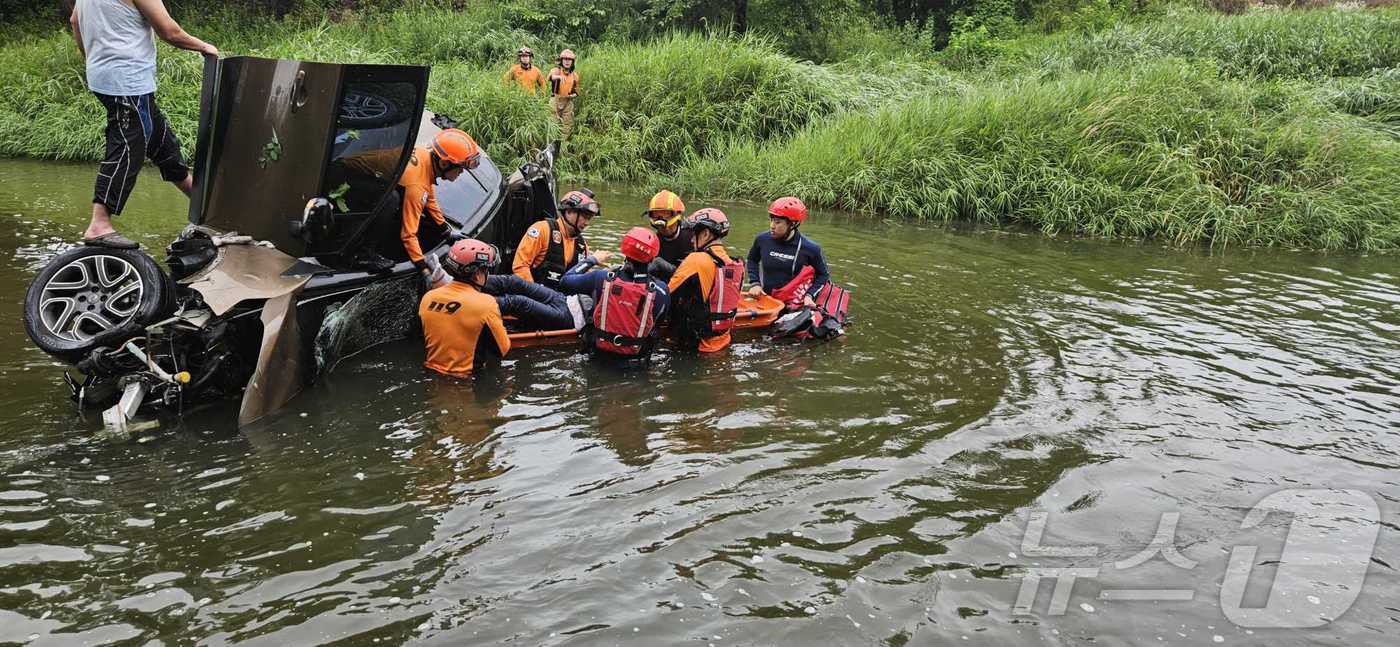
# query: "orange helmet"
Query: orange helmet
{"points": [[640, 245], [469, 255], [665, 209], [457, 148], [711, 219], [566, 54], [789, 208]]}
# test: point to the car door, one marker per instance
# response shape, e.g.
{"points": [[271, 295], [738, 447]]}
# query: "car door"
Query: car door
{"points": [[274, 134]]}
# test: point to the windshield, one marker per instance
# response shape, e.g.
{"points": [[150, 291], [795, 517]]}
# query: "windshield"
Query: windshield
{"points": [[466, 201]]}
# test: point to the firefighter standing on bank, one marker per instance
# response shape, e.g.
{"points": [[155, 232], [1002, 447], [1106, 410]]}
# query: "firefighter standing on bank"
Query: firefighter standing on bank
{"points": [[563, 90], [523, 73]]}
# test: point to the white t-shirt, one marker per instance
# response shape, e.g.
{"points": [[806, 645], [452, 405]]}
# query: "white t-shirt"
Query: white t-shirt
{"points": [[120, 46]]}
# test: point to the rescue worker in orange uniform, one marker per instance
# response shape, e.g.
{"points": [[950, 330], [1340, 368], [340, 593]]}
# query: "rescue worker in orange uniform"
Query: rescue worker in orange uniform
{"points": [[666, 213], [452, 152], [462, 327], [563, 89], [550, 247], [523, 73], [693, 316]]}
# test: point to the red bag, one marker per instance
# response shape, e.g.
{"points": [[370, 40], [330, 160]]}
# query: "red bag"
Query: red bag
{"points": [[622, 320], [724, 296]]}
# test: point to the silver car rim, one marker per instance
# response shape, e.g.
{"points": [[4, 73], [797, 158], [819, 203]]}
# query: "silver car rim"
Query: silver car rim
{"points": [[362, 106], [90, 296]]}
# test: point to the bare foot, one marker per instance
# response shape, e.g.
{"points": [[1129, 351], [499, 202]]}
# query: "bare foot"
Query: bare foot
{"points": [[100, 224]]}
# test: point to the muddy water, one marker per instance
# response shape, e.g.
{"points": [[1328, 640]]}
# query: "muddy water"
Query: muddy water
{"points": [[878, 490]]}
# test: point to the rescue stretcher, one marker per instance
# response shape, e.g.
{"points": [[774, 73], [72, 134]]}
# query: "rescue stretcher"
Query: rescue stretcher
{"points": [[753, 312]]}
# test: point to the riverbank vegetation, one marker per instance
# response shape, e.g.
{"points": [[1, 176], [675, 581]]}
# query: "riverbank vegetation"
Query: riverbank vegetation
{"points": [[1134, 119]]}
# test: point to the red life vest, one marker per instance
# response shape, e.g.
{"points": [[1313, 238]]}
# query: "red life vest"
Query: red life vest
{"points": [[795, 291], [622, 320], [724, 296], [832, 305]]}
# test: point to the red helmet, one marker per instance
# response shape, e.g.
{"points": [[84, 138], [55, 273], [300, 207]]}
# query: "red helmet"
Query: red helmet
{"points": [[640, 245], [712, 219], [790, 208], [457, 148], [581, 200], [469, 255]]}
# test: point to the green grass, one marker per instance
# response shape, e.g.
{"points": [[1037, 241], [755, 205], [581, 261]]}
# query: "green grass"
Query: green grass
{"points": [[1169, 151], [1265, 43], [1275, 128]]}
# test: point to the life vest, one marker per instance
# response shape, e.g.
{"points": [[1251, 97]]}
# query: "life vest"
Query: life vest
{"points": [[792, 294], [826, 321], [724, 296], [832, 306], [549, 271], [622, 319]]}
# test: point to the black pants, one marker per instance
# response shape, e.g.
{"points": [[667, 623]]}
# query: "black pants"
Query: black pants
{"points": [[136, 131]]}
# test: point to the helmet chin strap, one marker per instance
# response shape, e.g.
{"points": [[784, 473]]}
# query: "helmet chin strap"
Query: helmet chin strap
{"points": [[472, 281], [712, 238], [573, 225]]}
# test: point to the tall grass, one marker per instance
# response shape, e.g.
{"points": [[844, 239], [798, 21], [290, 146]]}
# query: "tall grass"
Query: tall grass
{"points": [[648, 108], [1267, 128], [1170, 151], [1265, 43], [1374, 97]]}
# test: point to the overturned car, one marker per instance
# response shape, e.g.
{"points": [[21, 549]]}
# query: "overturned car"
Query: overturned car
{"points": [[292, 258]]}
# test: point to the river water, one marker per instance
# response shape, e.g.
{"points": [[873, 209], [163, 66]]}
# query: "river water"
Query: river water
{"points": [[1005, 403]]}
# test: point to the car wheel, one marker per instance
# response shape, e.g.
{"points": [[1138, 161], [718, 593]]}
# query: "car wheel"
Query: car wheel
{"points": [[94, 296], [362, 109]]}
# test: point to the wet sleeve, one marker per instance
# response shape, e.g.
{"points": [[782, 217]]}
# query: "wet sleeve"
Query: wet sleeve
{"points": [[530, 249], [821, 278], [408, 229], [582, 266], [661, 268], [580, 282], [663, 302], [688, 272], [754, 263], [505, 78], [498, 330]]}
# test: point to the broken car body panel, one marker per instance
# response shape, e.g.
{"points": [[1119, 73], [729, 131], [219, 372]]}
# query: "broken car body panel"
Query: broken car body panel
{"points": [[277, 133], [267, 292]]}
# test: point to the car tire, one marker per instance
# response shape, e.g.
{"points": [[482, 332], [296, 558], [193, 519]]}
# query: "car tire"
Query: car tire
{"points": [[93, 296], [360, 108]]}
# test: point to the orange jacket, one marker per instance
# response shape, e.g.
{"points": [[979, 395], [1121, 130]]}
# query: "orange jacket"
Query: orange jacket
{"points": [[535, 244], [454, 318], [699, 269], [418, 197], [563, 84], [530, 79]]}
